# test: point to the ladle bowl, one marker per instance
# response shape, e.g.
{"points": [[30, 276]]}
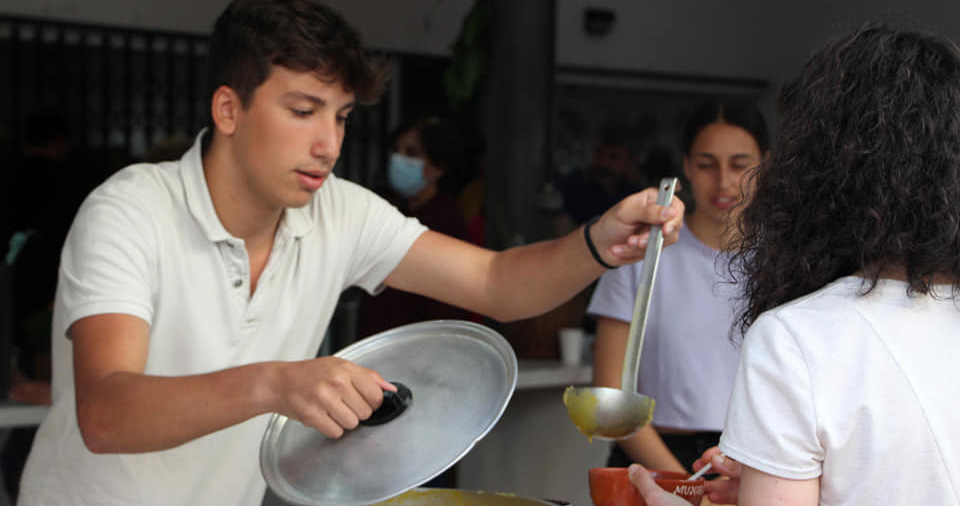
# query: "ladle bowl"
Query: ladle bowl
{"points": [[618, 413], [608, 413]]}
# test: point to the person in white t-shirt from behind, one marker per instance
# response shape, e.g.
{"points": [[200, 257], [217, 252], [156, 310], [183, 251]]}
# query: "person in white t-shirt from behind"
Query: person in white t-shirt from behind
{"points": [[687, 365], [848, 379]]}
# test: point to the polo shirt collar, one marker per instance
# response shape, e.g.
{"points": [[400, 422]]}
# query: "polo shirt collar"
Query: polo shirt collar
{"points": [[296, 222]]}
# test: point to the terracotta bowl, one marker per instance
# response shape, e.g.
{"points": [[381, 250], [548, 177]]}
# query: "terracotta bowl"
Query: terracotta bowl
{"points": [[610, 486]]}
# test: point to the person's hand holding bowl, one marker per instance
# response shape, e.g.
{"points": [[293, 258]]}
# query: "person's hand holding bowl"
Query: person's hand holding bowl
{"points": [[652, 490]]}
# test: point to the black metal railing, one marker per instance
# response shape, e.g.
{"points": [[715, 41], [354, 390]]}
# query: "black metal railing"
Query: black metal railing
{"points": [[119, 89], [124, 90]]}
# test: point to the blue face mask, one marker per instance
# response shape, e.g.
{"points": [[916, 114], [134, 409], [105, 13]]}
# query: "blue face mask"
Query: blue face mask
{"points": [[405, 175]]}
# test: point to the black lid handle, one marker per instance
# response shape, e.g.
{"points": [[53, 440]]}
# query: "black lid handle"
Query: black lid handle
{"points": [[393, 404]]}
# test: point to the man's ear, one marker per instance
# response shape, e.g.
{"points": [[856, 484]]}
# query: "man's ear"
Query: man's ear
{"points": [[225, 108]]}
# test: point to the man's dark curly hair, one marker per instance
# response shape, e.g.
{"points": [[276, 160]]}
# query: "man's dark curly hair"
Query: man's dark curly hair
{"points": [[251, 36], [864, 175]]}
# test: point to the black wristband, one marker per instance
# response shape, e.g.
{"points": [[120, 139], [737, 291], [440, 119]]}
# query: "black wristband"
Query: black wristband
{"points": [[593, 249]]}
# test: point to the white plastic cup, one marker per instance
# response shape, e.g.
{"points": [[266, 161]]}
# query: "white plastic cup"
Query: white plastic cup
{"points": [[571, 345]]}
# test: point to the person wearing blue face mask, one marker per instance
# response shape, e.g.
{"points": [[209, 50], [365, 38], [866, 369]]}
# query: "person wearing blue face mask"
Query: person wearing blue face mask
{"points": [[428, 157], [405, 174], [424, 152]]}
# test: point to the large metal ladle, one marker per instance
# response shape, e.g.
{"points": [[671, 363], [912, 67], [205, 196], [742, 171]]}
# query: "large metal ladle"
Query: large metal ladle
{"points": [[612, 413]]}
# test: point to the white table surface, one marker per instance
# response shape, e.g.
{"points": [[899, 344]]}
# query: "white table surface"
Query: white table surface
{"points": [[15, 414]]}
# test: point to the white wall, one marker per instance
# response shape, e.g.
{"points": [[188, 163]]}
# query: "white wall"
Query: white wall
{"points": [[419, 26], [194, 16], [735, 38], [799, 27], [699, 37], [732, 38]]}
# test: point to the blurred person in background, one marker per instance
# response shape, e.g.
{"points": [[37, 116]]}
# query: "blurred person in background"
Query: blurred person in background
{"points": [[687, 364], [43, 189], [427, 155], [611, 175]]}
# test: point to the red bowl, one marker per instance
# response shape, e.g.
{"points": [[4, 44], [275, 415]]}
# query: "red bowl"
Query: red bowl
{"points": [[610, 486]]}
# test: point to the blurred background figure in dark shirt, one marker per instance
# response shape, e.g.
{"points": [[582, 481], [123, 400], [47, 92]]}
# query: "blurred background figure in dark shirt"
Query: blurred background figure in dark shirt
{"points": [[611, 175], [43, 189], [424, 174], [43, 186]]}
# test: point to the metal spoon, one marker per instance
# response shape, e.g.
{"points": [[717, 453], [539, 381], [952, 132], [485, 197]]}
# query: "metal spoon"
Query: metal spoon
{"points": [[703, 470], [612, 413]]}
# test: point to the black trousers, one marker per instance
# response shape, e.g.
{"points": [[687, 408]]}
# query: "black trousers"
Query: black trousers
{"points": [[686, 447], [13, 457]]}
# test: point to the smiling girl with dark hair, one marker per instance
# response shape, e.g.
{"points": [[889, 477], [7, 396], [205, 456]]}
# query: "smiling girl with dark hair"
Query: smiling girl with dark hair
{"points": [[723, 141]]}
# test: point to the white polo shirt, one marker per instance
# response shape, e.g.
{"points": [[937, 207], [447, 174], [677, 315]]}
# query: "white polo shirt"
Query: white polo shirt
{"points": [[148, 243]]}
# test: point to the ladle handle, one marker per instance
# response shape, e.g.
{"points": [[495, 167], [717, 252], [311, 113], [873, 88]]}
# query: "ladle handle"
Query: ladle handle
{"points": [[641, 307]]}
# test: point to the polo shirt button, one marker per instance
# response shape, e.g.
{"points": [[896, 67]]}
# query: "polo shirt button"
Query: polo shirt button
{"points": [[238, 283]]}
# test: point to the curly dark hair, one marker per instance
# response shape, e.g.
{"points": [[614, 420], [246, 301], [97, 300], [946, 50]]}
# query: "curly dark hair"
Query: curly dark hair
{"points": [[864, 175], [250, 36]]}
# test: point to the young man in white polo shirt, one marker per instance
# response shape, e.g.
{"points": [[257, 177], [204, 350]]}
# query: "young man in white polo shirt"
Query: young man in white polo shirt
{"points": [[193, 294]]}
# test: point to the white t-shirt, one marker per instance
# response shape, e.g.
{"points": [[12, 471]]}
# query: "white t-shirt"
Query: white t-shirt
{"points": [[688, 362], [860, 391], [148, 243]]}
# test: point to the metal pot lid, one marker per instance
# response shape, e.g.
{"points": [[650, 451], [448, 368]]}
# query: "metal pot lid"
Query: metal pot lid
{"points": [[460, 375]]}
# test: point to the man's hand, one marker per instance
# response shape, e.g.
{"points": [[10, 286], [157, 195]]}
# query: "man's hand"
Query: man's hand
{"points": [[723, 490], [621, 234], [329, 394]]}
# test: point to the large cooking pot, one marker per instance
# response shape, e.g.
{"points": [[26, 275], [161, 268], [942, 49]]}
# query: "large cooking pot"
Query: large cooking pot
{"points": [[458, 377], [452, 497]]}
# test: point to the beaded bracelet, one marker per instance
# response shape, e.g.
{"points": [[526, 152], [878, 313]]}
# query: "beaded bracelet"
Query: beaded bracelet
{"points": [[593, 249]]}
